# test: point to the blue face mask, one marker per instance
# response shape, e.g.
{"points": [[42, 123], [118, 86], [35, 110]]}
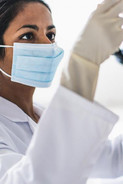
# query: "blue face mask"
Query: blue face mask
{"points": [[34, 64]]}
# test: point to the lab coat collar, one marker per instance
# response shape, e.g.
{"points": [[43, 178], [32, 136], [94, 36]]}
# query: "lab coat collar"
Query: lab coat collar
{"points": [[12, 112]]}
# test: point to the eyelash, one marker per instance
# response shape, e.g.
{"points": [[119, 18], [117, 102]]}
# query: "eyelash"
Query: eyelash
{"points": [[26, 34], [49, 35]]}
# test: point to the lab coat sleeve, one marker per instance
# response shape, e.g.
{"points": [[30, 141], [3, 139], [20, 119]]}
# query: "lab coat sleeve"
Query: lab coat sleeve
{"points": [[65, 146], [110, 162]]}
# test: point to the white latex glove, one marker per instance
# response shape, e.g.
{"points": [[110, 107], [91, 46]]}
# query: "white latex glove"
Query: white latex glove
{"points": [[100, 38], [102, 34]]}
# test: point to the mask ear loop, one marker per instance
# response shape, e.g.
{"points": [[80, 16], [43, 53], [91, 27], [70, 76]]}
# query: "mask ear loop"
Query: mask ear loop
{"points": [[5, 73], [5, 46]]}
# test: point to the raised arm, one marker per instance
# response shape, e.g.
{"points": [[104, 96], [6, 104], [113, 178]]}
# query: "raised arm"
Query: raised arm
{"points": [[100, 38], [65, 146], [73, 130]]}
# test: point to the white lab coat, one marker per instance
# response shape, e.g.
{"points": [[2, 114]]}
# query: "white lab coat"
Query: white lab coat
{"points": [[109, 167], [61, 149], [110, 163]]}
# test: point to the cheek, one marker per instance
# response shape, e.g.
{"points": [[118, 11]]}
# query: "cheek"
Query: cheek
{"points": [[8, 60]]}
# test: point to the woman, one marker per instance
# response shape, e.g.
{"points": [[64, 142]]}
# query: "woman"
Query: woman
{"points": [[24, 28], [67, 142]]}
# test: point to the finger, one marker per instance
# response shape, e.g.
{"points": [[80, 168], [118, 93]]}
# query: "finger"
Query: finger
{"points": [[117, 25], [116, 10], [118, 38], [106, 5]]}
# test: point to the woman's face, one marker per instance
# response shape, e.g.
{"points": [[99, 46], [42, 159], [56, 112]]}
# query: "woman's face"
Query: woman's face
{"points": [[33, 24]]}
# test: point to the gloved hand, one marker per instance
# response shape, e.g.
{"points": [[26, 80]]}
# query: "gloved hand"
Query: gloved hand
{"points": [[102, 34], [100, 38]]}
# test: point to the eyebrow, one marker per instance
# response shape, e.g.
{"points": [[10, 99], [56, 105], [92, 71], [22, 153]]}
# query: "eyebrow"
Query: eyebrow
{"points": [[35, 27]]}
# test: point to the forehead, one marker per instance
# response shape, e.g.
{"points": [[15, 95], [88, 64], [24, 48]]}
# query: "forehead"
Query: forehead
{"points": [[33, 13]]}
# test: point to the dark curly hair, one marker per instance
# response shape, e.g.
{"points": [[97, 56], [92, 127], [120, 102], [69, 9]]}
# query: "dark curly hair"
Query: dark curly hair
{"points": [[8, 10]]}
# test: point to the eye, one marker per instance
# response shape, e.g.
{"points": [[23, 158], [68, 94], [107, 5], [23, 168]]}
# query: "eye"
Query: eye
{"points": [[27, 36], [51, 36]]}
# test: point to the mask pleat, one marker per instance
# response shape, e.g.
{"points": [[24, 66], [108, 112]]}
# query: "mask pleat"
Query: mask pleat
{"points": [[36, 63]]}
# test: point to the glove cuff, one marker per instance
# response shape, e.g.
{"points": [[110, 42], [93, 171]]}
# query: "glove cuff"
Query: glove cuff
{"points": [[81, 76]]}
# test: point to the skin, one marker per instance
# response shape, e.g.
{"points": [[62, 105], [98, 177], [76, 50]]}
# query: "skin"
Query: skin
{"points": [[19, 94]]}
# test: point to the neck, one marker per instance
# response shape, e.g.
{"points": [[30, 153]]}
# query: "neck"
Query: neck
{"points": [[21, 95]]}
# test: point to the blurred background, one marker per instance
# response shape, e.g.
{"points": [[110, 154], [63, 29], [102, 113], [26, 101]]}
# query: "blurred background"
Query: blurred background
{"points": [[70, 18]]}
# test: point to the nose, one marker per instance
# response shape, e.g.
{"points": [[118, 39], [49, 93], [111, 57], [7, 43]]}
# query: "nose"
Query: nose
{"points": [[44, 39]]}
